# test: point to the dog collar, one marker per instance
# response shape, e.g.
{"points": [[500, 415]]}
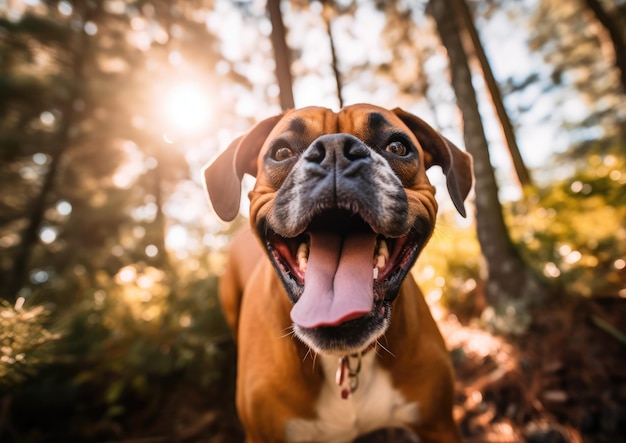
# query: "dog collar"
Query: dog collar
{"points": [[347, 376]]}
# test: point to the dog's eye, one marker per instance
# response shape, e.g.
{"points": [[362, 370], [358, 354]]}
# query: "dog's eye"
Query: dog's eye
{"points": [[397, 148], [282, 153]]}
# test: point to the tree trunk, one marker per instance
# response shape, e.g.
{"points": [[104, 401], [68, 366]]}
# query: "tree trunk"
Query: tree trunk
{"points": [[30, 234], [29, 237], [327, 15], [474, 45], [509, 280], [282, 55], [616, 34]]}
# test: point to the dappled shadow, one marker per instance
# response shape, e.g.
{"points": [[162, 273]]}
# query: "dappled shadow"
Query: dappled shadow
{"points": [[563, 381]]}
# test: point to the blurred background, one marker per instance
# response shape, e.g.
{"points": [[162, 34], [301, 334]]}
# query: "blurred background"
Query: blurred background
{"points": [[110, 328]]}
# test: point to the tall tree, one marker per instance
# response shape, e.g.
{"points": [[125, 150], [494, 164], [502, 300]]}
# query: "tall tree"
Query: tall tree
{"points": [[590, 105], [616, 34], [328, 13], [510, 280], [282, 55], [474, 47], [75, 45], [412, 44]]}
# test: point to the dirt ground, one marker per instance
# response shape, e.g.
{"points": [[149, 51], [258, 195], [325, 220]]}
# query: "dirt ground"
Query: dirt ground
{"points": [[562, 382]]}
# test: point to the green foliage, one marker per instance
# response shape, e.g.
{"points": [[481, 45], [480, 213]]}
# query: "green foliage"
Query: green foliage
{"points": [[42, 28], [581, 77], [573, 230], [124, 346], [128, 337], [448, 269], [26, 344]]}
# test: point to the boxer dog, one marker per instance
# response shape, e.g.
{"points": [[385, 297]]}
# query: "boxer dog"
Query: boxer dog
{"points": [[335, 340]]}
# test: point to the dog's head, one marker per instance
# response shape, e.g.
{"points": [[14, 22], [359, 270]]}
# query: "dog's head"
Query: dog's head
{"points": [[343, 206]]}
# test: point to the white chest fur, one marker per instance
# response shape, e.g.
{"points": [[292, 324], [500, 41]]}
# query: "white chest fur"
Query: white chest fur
{"points": [[374, 405]]}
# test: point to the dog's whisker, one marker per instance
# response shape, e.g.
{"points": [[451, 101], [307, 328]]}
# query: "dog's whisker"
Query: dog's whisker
{"points": [[381, 337], [287, 334], [384, 348], [291, 332], [312, 354]]}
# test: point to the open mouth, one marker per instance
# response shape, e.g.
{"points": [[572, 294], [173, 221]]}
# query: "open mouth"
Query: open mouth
{"points": [[341, 272], [390, 257]]}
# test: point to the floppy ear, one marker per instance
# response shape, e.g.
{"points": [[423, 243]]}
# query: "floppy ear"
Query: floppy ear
{"points": [[223, 175], [456, 164]]}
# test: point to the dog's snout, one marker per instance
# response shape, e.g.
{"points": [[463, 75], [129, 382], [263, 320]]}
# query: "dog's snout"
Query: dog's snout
{"points": [[334, 150]]}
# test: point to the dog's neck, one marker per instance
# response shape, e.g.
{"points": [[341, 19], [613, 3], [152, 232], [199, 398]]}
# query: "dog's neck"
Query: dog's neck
{"points": [[349, 367], [373, 405]]}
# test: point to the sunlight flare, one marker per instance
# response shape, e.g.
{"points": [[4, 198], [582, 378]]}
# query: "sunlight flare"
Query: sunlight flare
{"points": [[187, 108]]}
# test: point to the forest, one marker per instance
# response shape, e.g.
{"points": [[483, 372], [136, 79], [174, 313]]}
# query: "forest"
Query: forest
{"points": [[110, 253]]}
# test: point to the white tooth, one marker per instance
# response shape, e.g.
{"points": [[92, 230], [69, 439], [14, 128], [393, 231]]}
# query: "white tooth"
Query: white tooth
{"points": [[383, 249], [375, 272], [302, 256], [381, 261], [303, 251], [302, 262]]}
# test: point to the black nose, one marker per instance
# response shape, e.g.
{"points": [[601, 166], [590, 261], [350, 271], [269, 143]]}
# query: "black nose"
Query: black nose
{"points": [[337, 151]]}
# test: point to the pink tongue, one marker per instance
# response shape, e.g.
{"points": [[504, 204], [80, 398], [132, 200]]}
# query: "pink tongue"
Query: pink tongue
{"points": [[338, 283]]}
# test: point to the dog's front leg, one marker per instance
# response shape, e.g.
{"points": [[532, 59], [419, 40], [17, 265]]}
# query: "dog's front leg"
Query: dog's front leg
{"points": [[277, 380]]}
